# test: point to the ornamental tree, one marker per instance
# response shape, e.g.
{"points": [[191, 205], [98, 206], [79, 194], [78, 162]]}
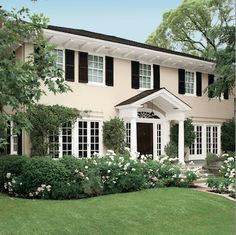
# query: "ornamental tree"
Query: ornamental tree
{"points": [[22, 81], [204, 28]]}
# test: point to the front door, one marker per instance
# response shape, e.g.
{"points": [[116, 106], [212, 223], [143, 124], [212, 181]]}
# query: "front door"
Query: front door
{"points": [[145, 138]]}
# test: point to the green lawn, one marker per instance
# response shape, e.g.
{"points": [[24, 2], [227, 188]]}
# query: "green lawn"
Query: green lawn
{"points": [[161, 211]]}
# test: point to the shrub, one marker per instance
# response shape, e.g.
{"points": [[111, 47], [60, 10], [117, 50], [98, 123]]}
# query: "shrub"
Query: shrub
{"points": [[219, 184], [11, 164], [114, 134], [171, 149], [228, 136], [72, 177]]}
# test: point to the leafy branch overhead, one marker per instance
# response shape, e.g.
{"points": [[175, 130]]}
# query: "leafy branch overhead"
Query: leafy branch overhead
{"points": [[21, 78], [204, 28]]}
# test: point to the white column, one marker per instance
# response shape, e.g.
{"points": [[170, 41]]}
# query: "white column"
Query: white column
{"points": [[181, 142], [133, 144], [219, 139], [204, 153], [60, 143]]}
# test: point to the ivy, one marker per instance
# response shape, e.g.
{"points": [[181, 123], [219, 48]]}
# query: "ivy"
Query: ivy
{"points": [[45, 120]]}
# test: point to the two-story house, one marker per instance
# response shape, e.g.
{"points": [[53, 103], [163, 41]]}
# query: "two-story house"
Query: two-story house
{"points": [[148, 87]]}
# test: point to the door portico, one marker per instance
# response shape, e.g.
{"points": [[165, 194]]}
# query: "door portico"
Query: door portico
{"points": [[165, 108]]}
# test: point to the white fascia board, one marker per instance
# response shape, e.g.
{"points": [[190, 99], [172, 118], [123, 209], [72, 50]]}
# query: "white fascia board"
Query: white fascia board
{"points": [[134, 49]]}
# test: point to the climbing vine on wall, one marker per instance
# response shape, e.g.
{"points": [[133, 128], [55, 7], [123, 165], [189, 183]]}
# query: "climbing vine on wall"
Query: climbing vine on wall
{"points": [[46, 120]]}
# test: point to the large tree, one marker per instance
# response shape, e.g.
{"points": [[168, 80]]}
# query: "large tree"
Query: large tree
{"points": [[204, 28], [21, 81]]}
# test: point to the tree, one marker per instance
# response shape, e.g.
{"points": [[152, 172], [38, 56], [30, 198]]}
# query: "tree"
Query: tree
{"points": [[204, 28], [114, 134], [228, 136], [21, 80]]}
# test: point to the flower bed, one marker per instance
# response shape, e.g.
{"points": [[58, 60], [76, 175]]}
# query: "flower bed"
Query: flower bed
{"points": [[72, 177]]}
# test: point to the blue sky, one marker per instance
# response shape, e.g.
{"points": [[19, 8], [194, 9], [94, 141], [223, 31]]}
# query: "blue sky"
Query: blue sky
{"points": [[133, 19]]}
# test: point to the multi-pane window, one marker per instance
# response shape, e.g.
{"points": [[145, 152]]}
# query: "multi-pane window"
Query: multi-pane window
{"points": [[128, 134], [14, 140], [95, 68], [145, 78], [212, 139], [59, 58], [83, 139], [66, 139], [189, 82], [94, 137], [196, 147], [53, 145], [158, 139]]}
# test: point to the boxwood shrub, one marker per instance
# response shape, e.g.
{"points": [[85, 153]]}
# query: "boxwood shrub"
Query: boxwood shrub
{"points": [[72, 178]]}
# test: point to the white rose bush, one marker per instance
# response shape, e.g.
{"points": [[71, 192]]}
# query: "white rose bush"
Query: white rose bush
{"points": [[73, 178]]}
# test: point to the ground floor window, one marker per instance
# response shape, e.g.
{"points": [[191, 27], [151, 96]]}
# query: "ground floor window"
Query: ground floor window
{"points": [[128, 134], [212, 139], [196, 147], [81, 139], [158, 139]]}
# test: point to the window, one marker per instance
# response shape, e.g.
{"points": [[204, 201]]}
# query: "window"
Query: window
{"points": [[88, 138], [67, 139], [128, 134], [196, 147], [189, 82], [95, 69], [59, 58], [145, 77], [158, 139], [53, 145], [212, 139], [14, 140]]}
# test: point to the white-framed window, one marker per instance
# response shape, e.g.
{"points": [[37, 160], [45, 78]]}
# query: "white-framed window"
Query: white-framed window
{"points": [[88, 138], [66, 132], [59, 58], [145, 76], [158, 139], [190, 83], [13, 140], [128, 134], [53, 145], [196, 147], [96, 69], [212, 139]]}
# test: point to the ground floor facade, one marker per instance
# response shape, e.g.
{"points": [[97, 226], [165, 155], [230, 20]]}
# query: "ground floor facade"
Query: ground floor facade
{"points": [[147, 117]]}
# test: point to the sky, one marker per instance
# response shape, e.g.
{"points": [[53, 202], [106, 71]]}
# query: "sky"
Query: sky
{"points": [[130, 19]]}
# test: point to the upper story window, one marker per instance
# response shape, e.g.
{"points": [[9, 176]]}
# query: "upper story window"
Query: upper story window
{"points": [[59, 58], [189, 82], [95, 69], [145, 77]]}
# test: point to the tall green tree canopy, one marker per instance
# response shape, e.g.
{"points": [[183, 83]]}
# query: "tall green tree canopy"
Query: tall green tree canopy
{"points": [[21, 80], [204, 28]]}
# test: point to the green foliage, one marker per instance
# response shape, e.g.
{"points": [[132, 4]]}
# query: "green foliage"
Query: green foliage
{"points": [[171, 149], [10, 163], [228, 136], [21, 80], [71, 177], [45, 120], [114, 134], [204, 28], [189, 134], [219, 184]]}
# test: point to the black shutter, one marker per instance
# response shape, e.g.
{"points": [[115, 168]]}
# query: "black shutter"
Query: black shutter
{"points": [[83, 67], [69, 65], [109, 71], [156, 76], [226, 94], [210, 81], [181, 81], [19, 143], [199, 84], [135, 74], [8, 147]]}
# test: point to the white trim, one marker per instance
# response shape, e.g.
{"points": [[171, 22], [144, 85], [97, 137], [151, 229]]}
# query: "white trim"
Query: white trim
{"points": [[152, 80], [194, 83], [12, 135]]}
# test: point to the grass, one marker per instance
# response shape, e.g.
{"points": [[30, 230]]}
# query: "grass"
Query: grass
{"points": [[159, 211]]}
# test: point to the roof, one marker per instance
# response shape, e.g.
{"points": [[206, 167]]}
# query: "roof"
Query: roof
{"points": [[110, 38], [145, 94]]}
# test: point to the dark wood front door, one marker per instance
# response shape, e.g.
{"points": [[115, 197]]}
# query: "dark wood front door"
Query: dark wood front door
{"points": [[145, 138]]}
